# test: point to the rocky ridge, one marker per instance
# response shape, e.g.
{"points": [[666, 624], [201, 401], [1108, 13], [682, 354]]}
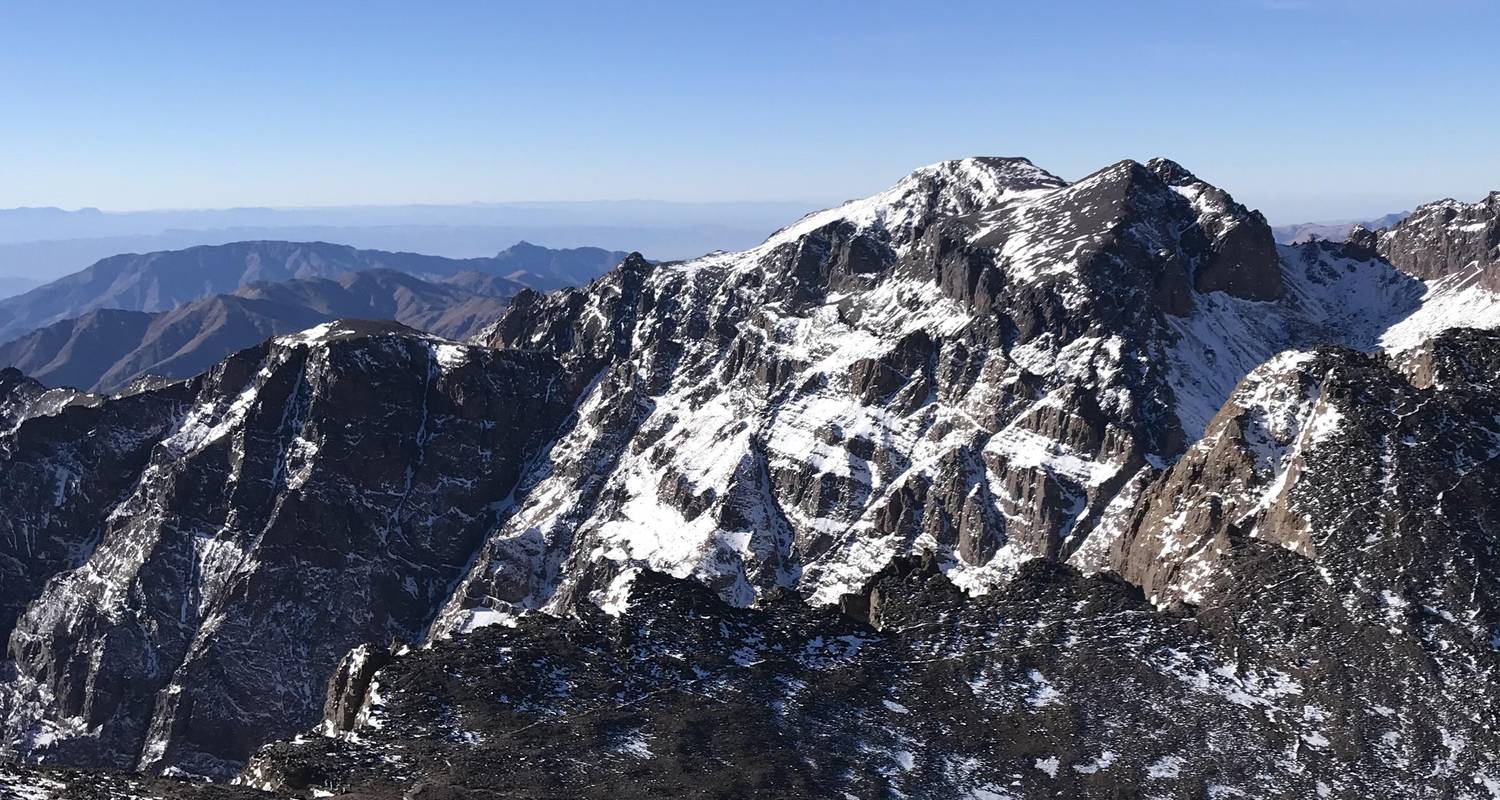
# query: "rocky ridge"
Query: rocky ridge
{"points": [[191, 573], [985, 364], [1442, 239]]}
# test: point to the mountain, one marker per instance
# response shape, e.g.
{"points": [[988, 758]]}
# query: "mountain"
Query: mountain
{"points": [[12, 285], [545, 269], [1446, 239], [165, 280], [328, 466], [983, 361], [107, 349], [454, 308], [1335, 533], [1332, 231], [989, 485]]}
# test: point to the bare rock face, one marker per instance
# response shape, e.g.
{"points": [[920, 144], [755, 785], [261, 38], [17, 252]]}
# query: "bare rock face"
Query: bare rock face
{"points": [[349, 688], [1442, 239], [214, 548], [1242, 259], [1369, 468], [55, 471], [840, 493], [22, 398], [1189, 517], [1055, 685], [980, 361]]}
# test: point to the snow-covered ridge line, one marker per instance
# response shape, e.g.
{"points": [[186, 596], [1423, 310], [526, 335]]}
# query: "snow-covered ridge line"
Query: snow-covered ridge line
{"points": [[947, 188], [820, 417]]}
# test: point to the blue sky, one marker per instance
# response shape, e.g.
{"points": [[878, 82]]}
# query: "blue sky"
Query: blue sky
{"points": [[1316, 109]]}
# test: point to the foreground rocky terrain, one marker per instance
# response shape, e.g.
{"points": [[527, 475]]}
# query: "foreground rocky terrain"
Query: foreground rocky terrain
{"points": [[1334, 538], [991, 485]]}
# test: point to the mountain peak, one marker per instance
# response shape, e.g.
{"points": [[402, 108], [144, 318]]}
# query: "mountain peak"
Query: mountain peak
{"points": [[1173, 173], [971, 183], [1445, 238], [341, 329], [1005, 172], [947, 188]]}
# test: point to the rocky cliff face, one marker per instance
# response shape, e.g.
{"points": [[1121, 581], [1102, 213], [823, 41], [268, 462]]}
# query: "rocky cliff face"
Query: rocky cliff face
{"points": [[1379, 472], [1443, 239], [982, 361], [196, 568], [984, 364]]}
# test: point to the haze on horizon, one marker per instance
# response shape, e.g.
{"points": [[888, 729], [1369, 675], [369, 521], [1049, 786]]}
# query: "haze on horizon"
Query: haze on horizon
{"points": [[1315, 110]]}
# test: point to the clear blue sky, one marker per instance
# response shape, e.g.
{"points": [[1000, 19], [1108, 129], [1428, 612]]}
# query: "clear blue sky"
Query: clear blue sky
{"points": [[1306, 109]]}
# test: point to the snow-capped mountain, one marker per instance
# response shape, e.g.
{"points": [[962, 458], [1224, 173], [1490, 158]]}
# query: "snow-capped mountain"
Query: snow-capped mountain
{"points": [[908, 373], [984, 364]]}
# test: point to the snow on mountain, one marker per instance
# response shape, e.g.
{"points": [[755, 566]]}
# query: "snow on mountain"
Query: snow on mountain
{"points": [[208, 551], [983, 363], [1441, 239], [1461, 300], [944, 189]]}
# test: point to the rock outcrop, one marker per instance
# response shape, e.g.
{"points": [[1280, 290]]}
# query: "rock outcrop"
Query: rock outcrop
{"points": [[1443, 239], [194, 569]]}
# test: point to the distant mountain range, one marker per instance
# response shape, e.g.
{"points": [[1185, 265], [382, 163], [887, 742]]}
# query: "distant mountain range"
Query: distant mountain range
{"points": [[44, 243], [162, 281], [1336, 231], [34, 224], [108, 349]]}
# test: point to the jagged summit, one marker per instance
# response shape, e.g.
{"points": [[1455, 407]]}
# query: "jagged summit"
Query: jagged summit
{"points": [[1170, 171], [1447, 239], [947, 188]]}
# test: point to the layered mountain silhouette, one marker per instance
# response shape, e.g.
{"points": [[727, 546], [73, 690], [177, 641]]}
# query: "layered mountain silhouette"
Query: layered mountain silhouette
{"points": [[1333, 231], [165, 280], [108, 349]]}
